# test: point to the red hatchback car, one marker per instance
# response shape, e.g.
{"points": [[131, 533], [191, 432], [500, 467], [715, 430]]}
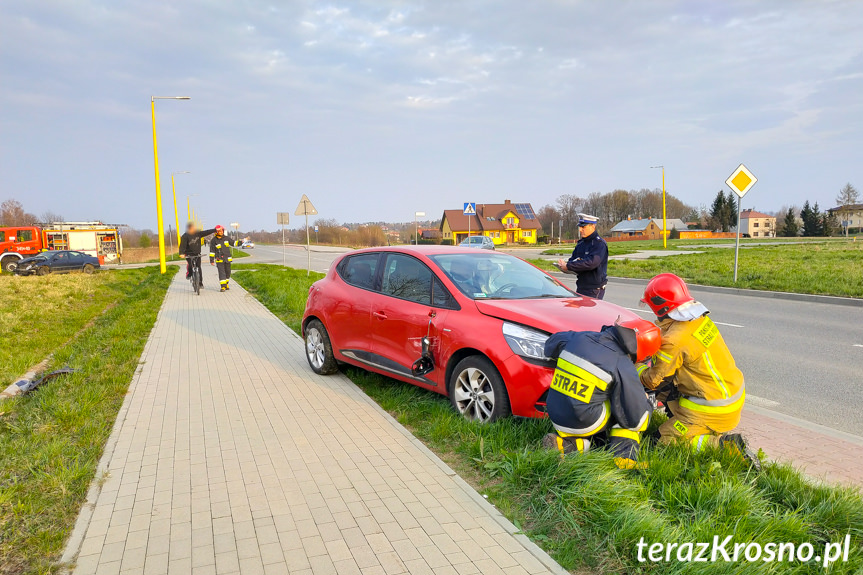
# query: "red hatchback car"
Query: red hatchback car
{"points": [[469, 324]]}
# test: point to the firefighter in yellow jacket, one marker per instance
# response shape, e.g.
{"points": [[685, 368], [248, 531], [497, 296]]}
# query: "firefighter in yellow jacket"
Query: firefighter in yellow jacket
{"points": [[220, 255], [709, 391]]}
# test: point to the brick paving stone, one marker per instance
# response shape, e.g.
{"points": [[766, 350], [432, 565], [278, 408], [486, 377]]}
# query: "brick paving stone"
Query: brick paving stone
{"points": [[230, 456]]}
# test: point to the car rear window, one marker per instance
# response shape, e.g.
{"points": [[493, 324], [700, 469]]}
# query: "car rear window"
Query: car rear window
{"points": [[360, 270]]}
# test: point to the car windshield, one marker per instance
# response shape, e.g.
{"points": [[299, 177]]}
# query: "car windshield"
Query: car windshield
{"points": [[490, 275]]}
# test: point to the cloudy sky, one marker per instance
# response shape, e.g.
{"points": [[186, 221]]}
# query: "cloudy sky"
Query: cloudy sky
{"points": [[378, 109]]}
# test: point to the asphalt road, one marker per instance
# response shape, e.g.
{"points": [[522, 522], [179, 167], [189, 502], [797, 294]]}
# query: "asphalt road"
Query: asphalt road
{"points": [[801, 359]]}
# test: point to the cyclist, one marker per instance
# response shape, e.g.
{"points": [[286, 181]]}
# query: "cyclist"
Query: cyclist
{"points": [[190, 247]]}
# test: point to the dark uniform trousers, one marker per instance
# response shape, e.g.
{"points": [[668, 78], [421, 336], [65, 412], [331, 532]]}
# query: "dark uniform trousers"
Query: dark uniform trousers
{"points": [[220, 251]]}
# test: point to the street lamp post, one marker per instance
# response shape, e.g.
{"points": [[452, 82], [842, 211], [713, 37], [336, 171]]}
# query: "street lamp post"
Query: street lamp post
{"points": [[176, 215], [664, 224], [160, 224], [417, 215]]}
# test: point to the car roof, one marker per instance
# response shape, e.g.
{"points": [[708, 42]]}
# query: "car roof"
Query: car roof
{"points": [[419, 250]]}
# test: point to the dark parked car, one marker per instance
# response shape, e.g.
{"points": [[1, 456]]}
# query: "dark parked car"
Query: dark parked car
{"points": [[57, 262]]}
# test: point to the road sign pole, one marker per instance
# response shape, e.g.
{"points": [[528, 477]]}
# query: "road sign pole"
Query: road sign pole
{"points": [[737, 244], [283, 245], [308, 248], [740, 182]]}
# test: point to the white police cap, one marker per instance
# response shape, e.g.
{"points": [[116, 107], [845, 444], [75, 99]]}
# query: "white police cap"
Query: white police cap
{"points": [[585, 219]]}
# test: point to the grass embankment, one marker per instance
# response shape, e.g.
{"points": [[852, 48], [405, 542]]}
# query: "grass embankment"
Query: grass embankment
{"points": [[51, 439], [584, 511], [37, 315], [832, 268]]}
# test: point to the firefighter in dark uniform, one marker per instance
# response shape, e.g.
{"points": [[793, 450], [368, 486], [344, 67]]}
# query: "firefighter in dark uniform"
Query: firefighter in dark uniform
{"points": [[589, 261], [190, 246], [220, 255], [595, 396]]}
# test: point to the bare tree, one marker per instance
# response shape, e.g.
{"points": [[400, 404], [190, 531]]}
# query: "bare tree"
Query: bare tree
{"points": [[12, 214], [50, 217], [847, 195]]}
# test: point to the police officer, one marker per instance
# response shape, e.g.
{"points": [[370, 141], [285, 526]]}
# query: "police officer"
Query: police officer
{"points": [[589, 259], [595, 394], [220, 255]]}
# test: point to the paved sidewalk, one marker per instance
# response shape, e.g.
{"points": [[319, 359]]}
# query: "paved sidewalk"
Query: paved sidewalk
{"points": [[230, 456], [820, 452]]}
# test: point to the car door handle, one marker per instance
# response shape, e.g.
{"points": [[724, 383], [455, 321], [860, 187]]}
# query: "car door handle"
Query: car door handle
{"points": [[380, 314]]}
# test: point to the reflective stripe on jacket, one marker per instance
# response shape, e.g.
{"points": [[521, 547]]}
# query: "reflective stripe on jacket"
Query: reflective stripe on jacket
{"points": [[704, 371], [594, 381], [220, 249]]}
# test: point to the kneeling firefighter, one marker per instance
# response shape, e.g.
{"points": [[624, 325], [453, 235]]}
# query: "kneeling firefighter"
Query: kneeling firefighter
{"points": [[707, 384], [220, 255], [595, 388]]}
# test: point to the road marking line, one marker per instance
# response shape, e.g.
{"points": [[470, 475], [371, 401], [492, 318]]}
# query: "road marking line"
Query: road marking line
{"points": [[716, 322], [858, 344]]}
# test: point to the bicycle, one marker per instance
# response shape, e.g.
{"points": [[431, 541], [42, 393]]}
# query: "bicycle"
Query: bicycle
{"points": [[195, 276]]}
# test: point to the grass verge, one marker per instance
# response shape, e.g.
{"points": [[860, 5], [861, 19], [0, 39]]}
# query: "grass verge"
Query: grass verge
{"points": [[40, 313], [829, 268], [51, 440], [584, 511]]}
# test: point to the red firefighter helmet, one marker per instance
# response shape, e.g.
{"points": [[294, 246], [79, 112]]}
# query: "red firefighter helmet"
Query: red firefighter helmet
{"points": [[220, 229], [646, 335], [666, 292]]}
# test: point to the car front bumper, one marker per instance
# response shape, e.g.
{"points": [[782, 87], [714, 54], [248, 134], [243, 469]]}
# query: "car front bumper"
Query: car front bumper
{"points": [[527, 384]]}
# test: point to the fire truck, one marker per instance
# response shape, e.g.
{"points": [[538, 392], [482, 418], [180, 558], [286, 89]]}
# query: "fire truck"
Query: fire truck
{"points": [[94, 238]]}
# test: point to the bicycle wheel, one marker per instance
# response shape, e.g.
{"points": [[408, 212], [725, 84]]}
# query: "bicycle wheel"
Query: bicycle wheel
{"points": [[196, 280]]}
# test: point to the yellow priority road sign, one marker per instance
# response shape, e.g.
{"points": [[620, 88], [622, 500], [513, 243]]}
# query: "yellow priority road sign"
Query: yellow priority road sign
{"points": [[741, 180]]}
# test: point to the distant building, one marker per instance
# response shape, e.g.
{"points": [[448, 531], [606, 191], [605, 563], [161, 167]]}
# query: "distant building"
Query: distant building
{"points": [[430, 234], [648, 228], [505, 223], [850, 216], [757, 225]]}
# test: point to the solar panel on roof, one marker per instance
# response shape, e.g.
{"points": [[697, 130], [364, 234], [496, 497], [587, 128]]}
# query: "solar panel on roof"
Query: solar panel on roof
{"points": [[525, 211]]}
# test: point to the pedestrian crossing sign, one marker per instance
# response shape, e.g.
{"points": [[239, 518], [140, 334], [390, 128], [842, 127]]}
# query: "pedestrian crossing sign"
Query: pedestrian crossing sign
{"points": [[470, 208]]}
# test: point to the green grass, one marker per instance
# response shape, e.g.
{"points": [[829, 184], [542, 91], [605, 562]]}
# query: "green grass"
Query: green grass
{"points": [[51, 439], [39, 314], [635, 245], [829, 268], [584, 511]]}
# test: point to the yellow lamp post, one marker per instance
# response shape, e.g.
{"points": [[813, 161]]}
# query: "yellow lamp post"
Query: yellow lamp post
{"points": [[160, 223], [664, 224], [176, 215]]}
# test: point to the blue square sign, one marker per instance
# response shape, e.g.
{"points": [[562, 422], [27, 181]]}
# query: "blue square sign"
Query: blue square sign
{"points": [[470, 208]]}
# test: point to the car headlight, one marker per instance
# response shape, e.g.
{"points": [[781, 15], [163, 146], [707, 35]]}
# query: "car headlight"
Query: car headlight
{"points": [[525, 341]]}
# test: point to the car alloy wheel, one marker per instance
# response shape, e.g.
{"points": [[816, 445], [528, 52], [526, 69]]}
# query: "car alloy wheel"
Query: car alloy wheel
{"points": [[315, 348], [474, 395], [319, 350], [477, 391]]}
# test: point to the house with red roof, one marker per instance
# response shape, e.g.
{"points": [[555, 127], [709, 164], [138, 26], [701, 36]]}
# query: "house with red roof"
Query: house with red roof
{"points": [[506, 223]]}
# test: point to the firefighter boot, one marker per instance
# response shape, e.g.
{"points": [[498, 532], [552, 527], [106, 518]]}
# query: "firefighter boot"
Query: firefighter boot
{"points": [[565, 445], [735, 443], [624, 445]]}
